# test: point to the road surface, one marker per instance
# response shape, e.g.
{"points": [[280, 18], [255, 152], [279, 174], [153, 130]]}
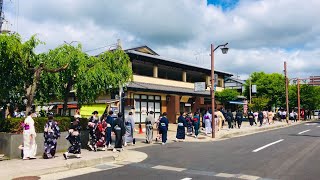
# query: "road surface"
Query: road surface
{"points": [[288, 153]]}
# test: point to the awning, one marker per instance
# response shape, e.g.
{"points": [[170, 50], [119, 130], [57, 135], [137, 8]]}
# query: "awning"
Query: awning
{"points": [[184, 99], [237, 102]]}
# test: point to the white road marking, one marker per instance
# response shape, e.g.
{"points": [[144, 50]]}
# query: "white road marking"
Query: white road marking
{"points": [[318, 126], [226, 175], [248, 177], [304, 131], [186, 178], [311, 124], [256, 150], [169, 168]]}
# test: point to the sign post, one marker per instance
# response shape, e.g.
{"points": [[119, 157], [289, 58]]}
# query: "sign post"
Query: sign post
{"points": [[199, 86]]}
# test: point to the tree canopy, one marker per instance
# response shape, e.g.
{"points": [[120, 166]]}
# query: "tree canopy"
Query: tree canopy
{"points": [[51, 75], [270, 86], [226, 95]]}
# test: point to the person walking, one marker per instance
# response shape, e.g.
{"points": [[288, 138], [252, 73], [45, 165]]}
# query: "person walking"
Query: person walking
{"points": [[196, 124], [101, 134], [109, 122], [221, 119], [181, 131], [255, 114], [229, 117], [260, 117], [270, 117], [119, 130], [74, 139], [29, 138], [239, 117], [189, 124], [163, 127], [251, 117], [149, 127], [92, 126], [129, 126], [207, 121], [51, 134]]}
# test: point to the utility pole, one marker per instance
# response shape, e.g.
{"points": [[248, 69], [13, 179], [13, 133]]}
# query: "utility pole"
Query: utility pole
{"points": [[287, 94], [1, 17], [250, 90], [212, 93], [298, 84]]}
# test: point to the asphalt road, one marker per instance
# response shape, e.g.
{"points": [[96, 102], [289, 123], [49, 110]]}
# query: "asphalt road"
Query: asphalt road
{"points": [[288, 153]]}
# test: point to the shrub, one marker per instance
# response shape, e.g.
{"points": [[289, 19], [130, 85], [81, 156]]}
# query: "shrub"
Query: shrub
{"points": [[13, 125]]}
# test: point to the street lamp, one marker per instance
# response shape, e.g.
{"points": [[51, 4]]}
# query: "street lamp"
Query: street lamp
{"points": [[224, 50]]}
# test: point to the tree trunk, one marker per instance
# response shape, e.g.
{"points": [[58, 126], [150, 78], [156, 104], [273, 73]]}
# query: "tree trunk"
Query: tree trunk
{"points": [[66, 96], [31, 89]]}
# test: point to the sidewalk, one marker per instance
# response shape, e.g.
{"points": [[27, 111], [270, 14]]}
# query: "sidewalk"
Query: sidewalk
{"points": [[21, 168]]}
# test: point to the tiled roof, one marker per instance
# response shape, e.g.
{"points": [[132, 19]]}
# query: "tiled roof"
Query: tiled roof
{"points": [[176, 61], [164, 89]]}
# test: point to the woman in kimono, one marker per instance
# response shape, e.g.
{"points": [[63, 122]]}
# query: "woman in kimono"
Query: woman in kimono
{"points": [[196, 124], [119, 130], [51, 135], [208, 122], [189, 124], [181, 131], [92, 126], [129, 126], [270, 117], [163, 127], [159, 135], [74, 139], [101, 134], [29, 138], [149, 127]]}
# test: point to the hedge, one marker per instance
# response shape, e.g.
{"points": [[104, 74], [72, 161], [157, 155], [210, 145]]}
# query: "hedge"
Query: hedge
{"points": [[13, 125]]}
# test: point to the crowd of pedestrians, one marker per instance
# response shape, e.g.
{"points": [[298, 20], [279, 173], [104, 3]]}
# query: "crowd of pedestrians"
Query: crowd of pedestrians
{"points": [[101, 129]]}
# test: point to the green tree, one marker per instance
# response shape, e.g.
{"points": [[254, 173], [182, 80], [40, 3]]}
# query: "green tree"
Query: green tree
{"points": [[259, 103], [271, 86], [23, 67], [309, 96], [226, 95]]}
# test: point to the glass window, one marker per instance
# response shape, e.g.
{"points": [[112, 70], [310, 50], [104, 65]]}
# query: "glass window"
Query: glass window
{"points": [[156, 116], [137, 117], [143, 117], [137, 105], [144, 107], [136, 96], [151, 97], [150, 106], [157, 98], [157, 107], [143, 96]]}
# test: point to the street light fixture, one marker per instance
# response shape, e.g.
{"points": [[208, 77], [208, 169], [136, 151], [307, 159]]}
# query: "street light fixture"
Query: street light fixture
{"points": [[224, 50]]}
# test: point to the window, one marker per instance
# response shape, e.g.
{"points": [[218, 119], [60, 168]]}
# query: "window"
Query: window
{"points": [[144, 104]]}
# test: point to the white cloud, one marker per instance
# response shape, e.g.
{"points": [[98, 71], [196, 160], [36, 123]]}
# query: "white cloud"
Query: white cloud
{"points": [[261, 33]]}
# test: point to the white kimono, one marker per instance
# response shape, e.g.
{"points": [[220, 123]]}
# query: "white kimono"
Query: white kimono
{"points": [[29, 144], [208, 123]]}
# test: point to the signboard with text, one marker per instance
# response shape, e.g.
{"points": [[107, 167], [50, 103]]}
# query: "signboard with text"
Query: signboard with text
{"points": [[199, 86]]}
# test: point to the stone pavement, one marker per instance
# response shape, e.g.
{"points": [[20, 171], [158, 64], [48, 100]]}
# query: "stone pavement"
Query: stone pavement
{"points": [[20, 168]]}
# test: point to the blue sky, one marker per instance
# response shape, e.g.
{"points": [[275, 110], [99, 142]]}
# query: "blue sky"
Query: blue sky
{"points": [[225, 4]]}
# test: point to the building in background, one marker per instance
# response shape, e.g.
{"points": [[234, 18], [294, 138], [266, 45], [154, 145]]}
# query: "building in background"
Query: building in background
{"points": [[314, 81]]}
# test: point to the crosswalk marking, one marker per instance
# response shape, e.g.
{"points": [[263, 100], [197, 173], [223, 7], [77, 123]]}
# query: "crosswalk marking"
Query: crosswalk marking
{"points": [[186, 178], [226, 175]]}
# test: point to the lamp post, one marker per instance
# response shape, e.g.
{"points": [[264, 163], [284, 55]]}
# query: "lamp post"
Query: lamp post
{"points": [[224, 50]]}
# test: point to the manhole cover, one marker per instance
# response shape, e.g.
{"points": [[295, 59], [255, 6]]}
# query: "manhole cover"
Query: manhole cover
{"points": [[27, 178]]}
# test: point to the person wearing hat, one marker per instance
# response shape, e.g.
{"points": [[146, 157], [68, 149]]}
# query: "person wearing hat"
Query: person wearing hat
{"points": [[74, 139], [92, 126], [51, 135]]}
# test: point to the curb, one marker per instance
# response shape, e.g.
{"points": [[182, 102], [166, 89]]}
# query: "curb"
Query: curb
{"points": [[70, 166], [263, 129]]}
